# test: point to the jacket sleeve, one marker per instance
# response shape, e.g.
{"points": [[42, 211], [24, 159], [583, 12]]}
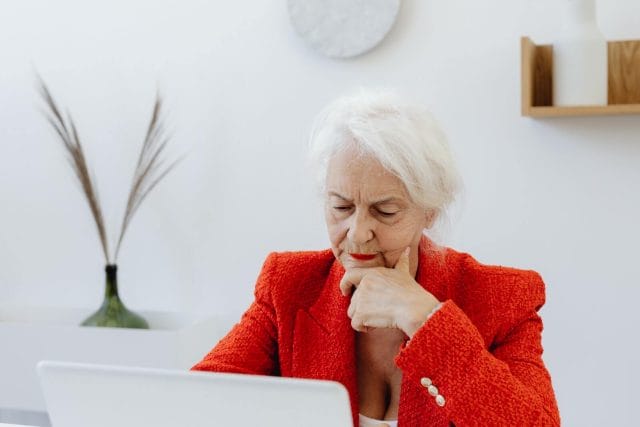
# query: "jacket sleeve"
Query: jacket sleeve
{"points": [[503, 384], [251, 347]]}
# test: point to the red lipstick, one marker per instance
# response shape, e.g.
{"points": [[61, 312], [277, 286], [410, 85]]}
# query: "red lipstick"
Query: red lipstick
{"points": [[363, 257]]}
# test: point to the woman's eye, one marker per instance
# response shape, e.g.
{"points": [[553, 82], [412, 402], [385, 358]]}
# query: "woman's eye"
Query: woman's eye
{"points": [[342, 208], [387, 214]]}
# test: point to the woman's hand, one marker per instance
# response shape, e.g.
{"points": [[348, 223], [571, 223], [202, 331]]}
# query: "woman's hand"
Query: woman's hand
{"points": [[387, 298]]}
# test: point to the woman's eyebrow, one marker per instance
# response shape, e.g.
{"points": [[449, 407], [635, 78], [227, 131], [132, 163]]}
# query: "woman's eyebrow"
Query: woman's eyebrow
{"points": [[389, 199], [333, 193]]}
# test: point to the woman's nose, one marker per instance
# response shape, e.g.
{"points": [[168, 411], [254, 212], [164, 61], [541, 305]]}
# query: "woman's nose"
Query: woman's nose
{"points": [[360, 228]]}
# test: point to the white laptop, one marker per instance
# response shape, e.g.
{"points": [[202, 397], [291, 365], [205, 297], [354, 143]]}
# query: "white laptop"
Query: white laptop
{"points": [[81, 395]]}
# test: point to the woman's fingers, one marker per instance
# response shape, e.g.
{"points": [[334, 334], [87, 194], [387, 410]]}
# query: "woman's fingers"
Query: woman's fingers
{"points": [[363, 322], [351, 279], [403, 262], [374, 292], [357, 324], [353, 276], [352, 306], [364, 315]]}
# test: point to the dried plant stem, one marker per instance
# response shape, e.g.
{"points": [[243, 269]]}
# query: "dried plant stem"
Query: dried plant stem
{"points": [[71, 142], [148, 173]]}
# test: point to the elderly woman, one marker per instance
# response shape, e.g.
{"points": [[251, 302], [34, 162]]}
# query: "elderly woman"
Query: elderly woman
{"points": [[420, 335]]}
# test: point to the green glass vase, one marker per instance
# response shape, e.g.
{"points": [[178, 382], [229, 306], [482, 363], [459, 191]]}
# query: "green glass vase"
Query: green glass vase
{"points": [[113, 313]]}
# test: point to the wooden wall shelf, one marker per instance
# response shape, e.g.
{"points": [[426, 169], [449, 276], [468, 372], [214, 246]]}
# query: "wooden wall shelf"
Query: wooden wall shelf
{"points": [[623, 72]]}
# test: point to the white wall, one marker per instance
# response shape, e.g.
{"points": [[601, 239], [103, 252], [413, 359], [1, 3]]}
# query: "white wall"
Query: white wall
{"points": [[556, 195]]}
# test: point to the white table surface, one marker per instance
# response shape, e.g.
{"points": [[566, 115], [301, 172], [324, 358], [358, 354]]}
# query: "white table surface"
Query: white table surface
{"points": [[31, 334]]}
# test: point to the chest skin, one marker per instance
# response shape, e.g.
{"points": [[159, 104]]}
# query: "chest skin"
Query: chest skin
{"points": [[378, 377]]}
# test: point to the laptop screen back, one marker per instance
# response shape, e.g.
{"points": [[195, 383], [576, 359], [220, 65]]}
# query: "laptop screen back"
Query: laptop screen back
{"points": [[79, 395]]}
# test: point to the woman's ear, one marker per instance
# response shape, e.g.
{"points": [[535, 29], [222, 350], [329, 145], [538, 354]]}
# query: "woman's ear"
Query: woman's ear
{"points": [[430, 217]]}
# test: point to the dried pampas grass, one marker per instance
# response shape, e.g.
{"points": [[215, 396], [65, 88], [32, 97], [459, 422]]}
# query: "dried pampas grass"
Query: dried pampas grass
{"points": [[148, 173]]}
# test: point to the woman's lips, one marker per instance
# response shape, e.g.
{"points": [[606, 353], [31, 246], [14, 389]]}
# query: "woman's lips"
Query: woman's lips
{"points": [[363, 257]]}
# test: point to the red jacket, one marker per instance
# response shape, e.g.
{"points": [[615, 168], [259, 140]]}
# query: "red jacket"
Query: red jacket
{"points": [[482, 349]]}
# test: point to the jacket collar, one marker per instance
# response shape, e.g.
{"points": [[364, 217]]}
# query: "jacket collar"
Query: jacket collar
{"points": [[324, 342], [433, 271], [329, 330], [330, 308]]}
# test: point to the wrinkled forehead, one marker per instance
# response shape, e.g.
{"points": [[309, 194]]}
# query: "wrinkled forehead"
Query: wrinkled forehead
{"points": [[353, 172]]}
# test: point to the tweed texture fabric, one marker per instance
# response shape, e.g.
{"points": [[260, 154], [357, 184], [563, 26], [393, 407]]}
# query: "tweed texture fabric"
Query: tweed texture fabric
{"points": [[482, 349]]}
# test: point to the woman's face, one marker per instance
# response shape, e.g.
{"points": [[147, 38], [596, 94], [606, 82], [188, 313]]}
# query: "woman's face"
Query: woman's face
{"points": [[370, 216]]}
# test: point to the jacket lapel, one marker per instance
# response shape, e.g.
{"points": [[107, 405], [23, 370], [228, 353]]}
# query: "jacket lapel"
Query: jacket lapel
{"points": [[433, 271], [323, 340], [433, 275]]}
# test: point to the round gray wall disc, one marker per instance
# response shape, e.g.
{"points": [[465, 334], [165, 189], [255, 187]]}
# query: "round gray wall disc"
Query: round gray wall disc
{"points": [[343, 28]]}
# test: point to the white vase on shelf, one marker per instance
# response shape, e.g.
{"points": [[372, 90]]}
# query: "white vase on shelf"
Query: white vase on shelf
{"points": [[579, 57]]}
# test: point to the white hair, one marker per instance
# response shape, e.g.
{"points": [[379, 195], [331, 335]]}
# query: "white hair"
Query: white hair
{"points": [[405, 138]]}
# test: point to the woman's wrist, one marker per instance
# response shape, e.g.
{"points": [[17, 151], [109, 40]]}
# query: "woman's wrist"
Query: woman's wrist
{"points": [[424, 315]]}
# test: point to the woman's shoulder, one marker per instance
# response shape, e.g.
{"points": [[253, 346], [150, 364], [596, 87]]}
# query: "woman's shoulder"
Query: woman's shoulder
{"points": [[291, 274], [492, 282], [494, 297], [299, 262]]}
